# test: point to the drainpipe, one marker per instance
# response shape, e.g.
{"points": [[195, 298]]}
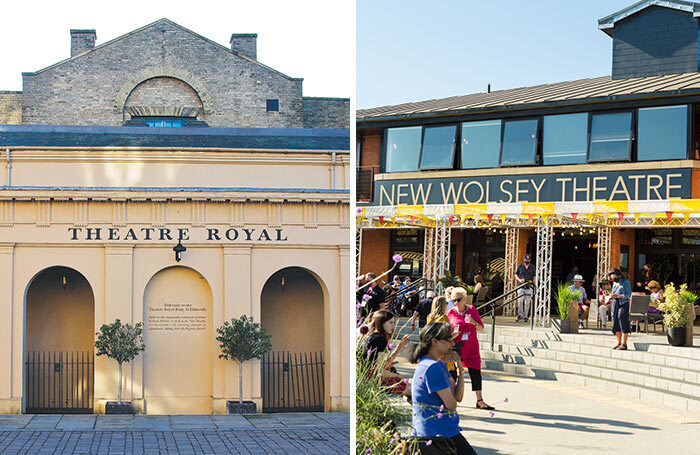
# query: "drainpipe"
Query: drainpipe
{"points": [[9, 167], [332, 170]]}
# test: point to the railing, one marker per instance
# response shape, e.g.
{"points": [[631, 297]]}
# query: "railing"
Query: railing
{"points": [[59, 382], [492, 303], [364, 183], [293, 382], [414, 286]]}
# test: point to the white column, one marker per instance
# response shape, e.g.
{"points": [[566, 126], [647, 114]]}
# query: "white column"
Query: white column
{"points": [[543, 273]]}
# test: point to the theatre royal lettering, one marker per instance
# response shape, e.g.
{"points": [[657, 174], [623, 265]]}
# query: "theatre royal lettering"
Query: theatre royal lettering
{"points": [[654, 184], [208, 234]]}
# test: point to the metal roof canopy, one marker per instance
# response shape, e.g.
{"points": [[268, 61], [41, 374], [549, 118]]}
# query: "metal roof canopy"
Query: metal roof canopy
{"points": [[607, 23]]}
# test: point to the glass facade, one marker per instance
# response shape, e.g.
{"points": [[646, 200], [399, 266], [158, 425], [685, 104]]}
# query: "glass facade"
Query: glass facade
{"points": [[610, 137], [519, 142], [481, 144], [564, 139], [403, 148], [438, 147], [662, 133]]}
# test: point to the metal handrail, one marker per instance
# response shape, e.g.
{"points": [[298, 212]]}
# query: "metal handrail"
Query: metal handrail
{"points": [[412, 287], [495, 308]]}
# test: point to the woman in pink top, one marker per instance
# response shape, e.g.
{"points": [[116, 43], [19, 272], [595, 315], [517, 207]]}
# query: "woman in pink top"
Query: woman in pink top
{"points": [[465, 323]]}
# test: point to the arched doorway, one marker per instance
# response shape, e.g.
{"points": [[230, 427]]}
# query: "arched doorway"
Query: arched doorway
{"points": [[292, 312], [59, 343], [177, 374]]}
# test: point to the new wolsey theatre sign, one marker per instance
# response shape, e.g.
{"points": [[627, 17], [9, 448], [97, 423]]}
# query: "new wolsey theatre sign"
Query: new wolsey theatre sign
{"points": [[653, 184]]}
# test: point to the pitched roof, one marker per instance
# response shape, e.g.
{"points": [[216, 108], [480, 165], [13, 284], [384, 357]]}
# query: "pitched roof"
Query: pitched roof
{"points": [[153, 24], [583, 91], [607, 23]]}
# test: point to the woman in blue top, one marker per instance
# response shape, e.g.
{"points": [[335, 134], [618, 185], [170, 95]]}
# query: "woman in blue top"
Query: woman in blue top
{"points": [[620, 311], [435, 393]]}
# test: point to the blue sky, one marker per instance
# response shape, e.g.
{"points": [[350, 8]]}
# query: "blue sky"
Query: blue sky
{"points": [[412, 50]]}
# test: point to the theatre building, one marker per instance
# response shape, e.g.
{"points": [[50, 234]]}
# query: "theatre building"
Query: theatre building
{"points": [[592, 173], [163, 178]]}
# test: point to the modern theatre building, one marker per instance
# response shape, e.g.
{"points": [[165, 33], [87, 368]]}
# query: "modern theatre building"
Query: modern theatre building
{"points": [[166, 179], [607, 169]]}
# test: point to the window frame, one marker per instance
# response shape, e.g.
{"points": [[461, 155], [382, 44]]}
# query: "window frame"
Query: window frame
{"points": [[267, 104], [588, 133], [538, 135], [688, 137], [460, 127], [383, 152], [454, 146], [632, 140]]}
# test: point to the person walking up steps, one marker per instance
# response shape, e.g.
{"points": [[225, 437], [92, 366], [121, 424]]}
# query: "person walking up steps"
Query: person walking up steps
{"points": [[524, 273]]}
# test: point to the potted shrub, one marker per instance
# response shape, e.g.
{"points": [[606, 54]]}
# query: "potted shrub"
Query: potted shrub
{"points": [[676, 307], [121, 342], [567, 303], [242, 340]]}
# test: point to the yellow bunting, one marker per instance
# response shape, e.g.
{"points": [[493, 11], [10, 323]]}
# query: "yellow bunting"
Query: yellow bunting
{"points": [[686, 217], [538, 208], [684, 205], [610, 206], [636, 218], [503, 218], [409, 210]]}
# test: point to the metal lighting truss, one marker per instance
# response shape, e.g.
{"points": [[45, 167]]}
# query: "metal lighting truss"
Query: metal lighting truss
{"points": [[442, 250], [358, 249], [604, 233], [512, 242], [543, 273], [428, 254]]}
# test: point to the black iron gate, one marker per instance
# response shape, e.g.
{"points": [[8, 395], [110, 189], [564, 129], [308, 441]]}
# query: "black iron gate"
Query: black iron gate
{"points": [[60, 382], [292, 382]]}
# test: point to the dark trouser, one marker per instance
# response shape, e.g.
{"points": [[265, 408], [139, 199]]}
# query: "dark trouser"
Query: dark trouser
{"points": [[461, 444], [620, 317], [475, 376]]}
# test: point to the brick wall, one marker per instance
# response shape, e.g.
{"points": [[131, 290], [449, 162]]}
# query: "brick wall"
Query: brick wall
{"points": [[695, 184], [164, 96], [92, 88], [370, 150], [655, 41], [326, 112], [375, 251], [10, 108], [623, 237]]}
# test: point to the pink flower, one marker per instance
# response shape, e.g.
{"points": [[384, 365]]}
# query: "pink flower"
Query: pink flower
{"points": [[429, 442], [439, 415], [359, 417], [405, 381], [390, 346], [506, 400], [364, 329], [492, 414], [420, 378], [397, 258], [366, 297], [442, 407], [368, 451]]}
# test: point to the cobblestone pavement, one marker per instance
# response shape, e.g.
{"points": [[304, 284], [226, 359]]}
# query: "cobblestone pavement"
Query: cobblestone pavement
{"points": [[307, 433]]}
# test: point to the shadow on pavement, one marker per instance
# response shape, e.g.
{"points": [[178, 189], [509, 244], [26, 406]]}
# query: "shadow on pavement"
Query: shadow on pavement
{"points": [[567, 426], [585, 420], [485, 451]]}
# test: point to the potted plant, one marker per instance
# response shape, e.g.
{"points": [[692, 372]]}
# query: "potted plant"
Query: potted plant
{"points": [[567, 303], [676, 307], [121, 342], [451, 280], [242, 340]]}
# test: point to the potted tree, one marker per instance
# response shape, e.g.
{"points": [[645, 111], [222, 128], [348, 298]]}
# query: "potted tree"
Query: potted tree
{"points": [[241, 340], [567, 303], [676, 307], [121, 342]]}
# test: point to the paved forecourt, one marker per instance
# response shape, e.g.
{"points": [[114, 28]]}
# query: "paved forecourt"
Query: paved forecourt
{"points": [[545, 417], [309, 433]]}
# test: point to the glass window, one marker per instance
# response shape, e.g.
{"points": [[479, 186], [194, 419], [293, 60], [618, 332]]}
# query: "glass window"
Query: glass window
{"points": [[610, 136], [662, 133], [691, 237], [273, 105], [481, 143], [564, 139], [403, 148], [519, 142], [660, 236], [155, 122], [438, 147]]}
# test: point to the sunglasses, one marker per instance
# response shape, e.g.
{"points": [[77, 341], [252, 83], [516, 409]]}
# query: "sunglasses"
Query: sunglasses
{"points": [[457, 300]]}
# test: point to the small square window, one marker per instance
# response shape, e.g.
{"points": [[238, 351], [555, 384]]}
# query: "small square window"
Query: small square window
{"points": [[273, 105]]}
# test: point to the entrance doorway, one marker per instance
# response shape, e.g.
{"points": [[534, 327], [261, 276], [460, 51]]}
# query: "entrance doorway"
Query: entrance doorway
{"points": [[59, 343], [575, 248], [292, 309]]}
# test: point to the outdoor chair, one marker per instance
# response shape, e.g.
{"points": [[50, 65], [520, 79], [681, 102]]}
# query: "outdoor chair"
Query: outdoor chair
{"points": [[481, 296], [639, 310]]}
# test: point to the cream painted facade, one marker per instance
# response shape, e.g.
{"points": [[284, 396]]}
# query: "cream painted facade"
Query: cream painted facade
{"points": [[113, 215]]}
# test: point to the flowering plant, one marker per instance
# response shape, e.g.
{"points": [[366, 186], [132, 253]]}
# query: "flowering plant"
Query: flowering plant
{"points": [[676, 305]]}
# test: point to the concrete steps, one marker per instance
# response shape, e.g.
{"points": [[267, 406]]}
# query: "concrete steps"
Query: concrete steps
{"points": [[650, 371]]}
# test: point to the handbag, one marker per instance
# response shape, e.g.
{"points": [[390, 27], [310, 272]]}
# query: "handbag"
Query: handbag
{"points": [[439, 446]]}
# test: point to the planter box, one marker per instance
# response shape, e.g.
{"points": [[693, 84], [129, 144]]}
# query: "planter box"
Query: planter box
{"points": [[565, 325], [676, 336], [246, 407], [114, 407]]}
